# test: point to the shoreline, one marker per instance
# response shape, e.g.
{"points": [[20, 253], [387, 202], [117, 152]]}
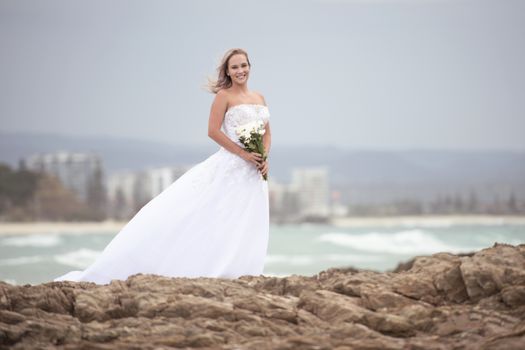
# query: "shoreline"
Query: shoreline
{"points": [[50, 227], [429, 221], [112, 227]]}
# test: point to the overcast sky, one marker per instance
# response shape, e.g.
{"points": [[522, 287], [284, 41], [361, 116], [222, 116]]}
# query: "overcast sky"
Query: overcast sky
{"points": [[361, 74]]}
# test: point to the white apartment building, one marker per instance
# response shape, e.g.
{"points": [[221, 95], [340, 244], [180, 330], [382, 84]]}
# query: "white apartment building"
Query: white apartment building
{"points": [[76, 171], [312, 186], [161, 178], [128, 191]]}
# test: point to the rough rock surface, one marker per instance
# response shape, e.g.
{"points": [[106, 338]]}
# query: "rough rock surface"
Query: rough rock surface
{"points": [[442, 301]]}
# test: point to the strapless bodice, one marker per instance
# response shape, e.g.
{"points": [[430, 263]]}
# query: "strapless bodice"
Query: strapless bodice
{"points": [[241, 114]]}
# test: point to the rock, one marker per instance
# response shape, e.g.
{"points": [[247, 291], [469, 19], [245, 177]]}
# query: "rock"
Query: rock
{"points": [[442, 301], [486, 273], [514, 296]]}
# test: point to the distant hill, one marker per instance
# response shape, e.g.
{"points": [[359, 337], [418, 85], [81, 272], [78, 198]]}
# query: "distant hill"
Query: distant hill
{"points": [[117, 153], [361, 175]]}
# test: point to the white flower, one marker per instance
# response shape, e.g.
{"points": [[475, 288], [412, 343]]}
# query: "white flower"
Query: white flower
{"points": [[251, 129]]}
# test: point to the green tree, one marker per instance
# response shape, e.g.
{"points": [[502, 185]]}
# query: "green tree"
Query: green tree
{"points": [[17, 188], [96, 195]]}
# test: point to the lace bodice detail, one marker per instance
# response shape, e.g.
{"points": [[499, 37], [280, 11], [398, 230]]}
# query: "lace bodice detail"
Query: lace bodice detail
{"points": [[241, 114], [224, 166]]}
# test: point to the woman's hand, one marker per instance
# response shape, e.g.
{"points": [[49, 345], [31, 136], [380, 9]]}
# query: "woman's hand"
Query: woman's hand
{"points": [[263, 167], [251, 157]]}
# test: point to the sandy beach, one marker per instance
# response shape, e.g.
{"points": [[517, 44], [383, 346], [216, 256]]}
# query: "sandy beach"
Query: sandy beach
{"points": [[111, 227], [428, 221]]}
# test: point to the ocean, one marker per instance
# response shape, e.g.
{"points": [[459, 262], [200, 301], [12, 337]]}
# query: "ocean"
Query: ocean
{"points": [[293, 249]]}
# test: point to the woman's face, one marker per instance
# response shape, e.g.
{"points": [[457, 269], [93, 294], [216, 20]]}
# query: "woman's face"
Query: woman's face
{"points": [[238, 68]]}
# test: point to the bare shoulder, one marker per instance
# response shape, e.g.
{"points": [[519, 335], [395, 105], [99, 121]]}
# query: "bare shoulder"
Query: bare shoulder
{"points": [[222, 94], [226, 96], [261, 97], [220, 103]]}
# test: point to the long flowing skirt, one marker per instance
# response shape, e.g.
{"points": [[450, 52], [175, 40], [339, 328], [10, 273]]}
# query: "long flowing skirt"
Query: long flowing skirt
{"points": [[213, 221]]}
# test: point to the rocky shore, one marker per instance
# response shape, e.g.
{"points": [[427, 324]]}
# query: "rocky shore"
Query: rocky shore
{"points": [[442, 301]]}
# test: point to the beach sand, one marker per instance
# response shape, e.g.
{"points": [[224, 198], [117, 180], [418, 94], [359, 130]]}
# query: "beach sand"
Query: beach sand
{"points": [[112, 227], [428, 221]]}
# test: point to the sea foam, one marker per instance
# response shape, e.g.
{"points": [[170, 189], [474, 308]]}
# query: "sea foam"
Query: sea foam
{"points": [[80, 258], [402, 242], [22, 260], [32, 241]]}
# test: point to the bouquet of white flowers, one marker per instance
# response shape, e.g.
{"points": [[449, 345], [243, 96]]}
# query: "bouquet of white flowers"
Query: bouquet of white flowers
{"points": [[250, 135]]}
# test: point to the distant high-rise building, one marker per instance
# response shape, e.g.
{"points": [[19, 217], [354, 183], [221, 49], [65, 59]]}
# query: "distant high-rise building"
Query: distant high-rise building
{"points": [[312, 186], [161, 178], [129, 191], [275, 196], [284, 202], [82, 173], [121, 190]]}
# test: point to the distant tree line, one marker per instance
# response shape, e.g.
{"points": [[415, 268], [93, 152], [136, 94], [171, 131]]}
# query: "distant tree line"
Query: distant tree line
{"points": [[443, 205], [33, 196]]}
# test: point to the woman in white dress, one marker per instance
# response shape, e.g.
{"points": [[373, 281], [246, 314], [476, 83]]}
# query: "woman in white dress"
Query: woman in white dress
{"points": [[213, 221]]}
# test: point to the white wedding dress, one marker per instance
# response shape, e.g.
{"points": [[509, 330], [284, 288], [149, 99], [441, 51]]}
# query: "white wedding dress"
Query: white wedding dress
{"points": [[213, 221]]}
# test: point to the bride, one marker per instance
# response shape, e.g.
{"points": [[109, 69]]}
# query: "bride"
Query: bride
{"points": [[213, 221]]}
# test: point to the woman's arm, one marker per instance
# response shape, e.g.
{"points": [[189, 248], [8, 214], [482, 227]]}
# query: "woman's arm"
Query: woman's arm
{"points": [[267, 139], [218, 109], [267, 142]]}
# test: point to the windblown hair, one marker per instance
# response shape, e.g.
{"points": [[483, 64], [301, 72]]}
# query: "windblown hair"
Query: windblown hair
{"points": [[223, 81]]}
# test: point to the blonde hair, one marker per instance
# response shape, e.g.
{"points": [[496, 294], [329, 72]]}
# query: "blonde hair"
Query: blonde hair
{"points": [[224, 81]]}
